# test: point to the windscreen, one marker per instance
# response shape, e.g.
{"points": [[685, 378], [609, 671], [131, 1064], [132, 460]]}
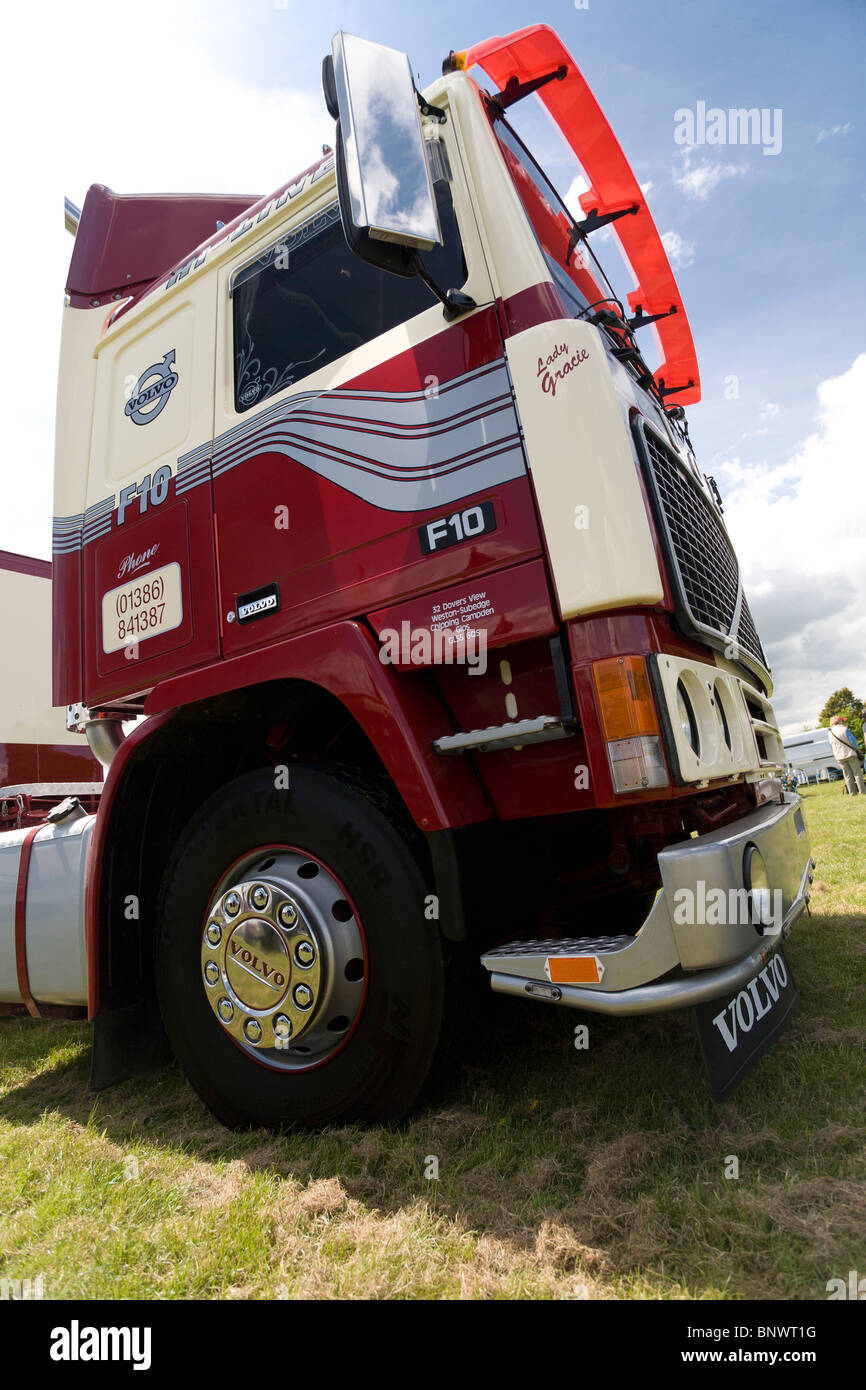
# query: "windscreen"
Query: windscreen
{"points": [[575, 269]]}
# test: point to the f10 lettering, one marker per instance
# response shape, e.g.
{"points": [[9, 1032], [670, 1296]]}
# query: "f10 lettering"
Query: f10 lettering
{"points": [[153, 490], [461, 526]]}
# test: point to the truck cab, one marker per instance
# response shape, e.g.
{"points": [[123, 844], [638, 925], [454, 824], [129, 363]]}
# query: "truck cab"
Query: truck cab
{"points": [[372, 507]]}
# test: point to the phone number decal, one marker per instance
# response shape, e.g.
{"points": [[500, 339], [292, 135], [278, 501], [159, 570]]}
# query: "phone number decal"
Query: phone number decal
{"points": [[142, 608]]}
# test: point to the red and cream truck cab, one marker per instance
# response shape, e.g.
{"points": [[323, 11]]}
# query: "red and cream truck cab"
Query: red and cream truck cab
{"points": [[370, 510]]}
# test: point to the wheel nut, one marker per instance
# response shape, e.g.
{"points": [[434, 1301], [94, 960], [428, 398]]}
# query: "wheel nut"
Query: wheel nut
{"points": [[259, 896], [253, 1030], [283, 1026], [232, 904], [303, 996], [288, 915], [304, 953], [226, 1011], [211, 972], [214, 933]]}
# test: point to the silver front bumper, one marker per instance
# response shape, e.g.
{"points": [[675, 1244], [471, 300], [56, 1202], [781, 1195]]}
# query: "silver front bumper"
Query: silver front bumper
{"points": [[682, 955]]}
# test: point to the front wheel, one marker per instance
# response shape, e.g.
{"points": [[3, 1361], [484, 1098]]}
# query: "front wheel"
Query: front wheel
{"points": [[301, 975]]}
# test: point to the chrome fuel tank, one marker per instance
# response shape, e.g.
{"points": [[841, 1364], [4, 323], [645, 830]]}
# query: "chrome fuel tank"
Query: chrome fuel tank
{"points": [[56, 953]]}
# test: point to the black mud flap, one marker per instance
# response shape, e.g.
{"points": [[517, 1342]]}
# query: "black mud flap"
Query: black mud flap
{"points": [[127, 1042], [736, 1031]]}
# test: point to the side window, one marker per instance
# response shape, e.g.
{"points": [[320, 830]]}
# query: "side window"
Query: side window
{"points": [[309, 300]]}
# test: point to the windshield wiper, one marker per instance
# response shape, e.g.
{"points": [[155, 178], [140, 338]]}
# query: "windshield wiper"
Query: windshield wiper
{"points": [[628, 351], [591, 223]]}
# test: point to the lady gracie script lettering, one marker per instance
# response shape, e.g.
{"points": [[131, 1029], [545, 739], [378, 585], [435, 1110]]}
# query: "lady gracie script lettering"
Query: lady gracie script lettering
{"points": [[558, 366]]}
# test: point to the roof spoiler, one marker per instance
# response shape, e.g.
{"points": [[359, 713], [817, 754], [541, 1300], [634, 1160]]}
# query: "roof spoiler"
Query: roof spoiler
{"points": [[126, 241], [531, 58]]}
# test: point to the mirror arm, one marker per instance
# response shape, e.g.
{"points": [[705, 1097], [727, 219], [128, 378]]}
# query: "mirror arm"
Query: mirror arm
{"points": [[454, 302]]}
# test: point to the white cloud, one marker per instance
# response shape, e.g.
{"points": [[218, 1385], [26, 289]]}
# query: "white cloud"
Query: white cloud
{"points": [[833, 130], [681, 253], [700, 181], [571, 198], [769, 411], [799, 531], [91, 105]]}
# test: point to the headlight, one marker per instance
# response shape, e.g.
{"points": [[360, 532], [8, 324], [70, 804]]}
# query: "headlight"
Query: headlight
{"points": [[686, 716], [722, 714], [757, 881]]}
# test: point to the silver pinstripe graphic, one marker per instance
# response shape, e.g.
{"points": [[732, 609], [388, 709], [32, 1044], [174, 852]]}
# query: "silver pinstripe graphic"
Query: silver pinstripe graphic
{"points": [[400, 451], [70, 533], [66, 534], [193, 468]]}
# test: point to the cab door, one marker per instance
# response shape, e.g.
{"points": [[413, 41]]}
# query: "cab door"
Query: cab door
{"points": [[149, 569], [350, 412]]}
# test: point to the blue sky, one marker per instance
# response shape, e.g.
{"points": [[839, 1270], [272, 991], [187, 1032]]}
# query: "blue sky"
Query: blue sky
{"points": [[770, 247]]}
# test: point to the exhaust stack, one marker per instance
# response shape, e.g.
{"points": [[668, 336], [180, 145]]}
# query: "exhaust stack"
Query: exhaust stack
{"points": [[72, 215]]}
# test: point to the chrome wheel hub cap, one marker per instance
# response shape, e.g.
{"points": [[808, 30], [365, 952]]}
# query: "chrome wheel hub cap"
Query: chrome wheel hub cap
{"points": [[282, 959]]}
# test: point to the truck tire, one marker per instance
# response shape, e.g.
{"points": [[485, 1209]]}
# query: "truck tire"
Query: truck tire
{"points": [[300, 971]]}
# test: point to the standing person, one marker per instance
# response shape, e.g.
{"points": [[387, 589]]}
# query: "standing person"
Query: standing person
{"points": [[847, 754]]}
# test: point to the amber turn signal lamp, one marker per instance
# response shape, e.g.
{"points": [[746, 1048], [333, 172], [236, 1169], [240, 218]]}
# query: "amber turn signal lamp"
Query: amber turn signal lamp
{"points": [[624, 697]]}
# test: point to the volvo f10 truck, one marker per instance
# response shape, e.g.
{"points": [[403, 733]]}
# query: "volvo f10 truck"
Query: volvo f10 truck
{"points": [[377, 524]]}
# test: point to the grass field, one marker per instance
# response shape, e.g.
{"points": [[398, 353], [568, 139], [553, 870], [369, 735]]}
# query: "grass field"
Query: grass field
{"points": [[562, 1173]]}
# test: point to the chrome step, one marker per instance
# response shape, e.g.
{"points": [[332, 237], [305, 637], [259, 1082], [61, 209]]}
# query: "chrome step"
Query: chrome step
{"points": [[566, 960], [541, 730], [52, 789]]}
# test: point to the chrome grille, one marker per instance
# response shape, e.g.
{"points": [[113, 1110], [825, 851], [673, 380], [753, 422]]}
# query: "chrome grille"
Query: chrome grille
{"points": [[702, 566]]}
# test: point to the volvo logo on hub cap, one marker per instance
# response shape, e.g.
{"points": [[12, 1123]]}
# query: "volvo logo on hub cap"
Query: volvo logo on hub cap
{"points": [[257, 964], [249, 970]]}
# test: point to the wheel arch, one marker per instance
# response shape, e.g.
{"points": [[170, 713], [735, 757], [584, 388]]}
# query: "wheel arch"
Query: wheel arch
{"points": [[168, 767], [400, 714]]}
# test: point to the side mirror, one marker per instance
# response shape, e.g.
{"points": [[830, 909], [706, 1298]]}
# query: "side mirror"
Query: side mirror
{"points": [[386, 195]]}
